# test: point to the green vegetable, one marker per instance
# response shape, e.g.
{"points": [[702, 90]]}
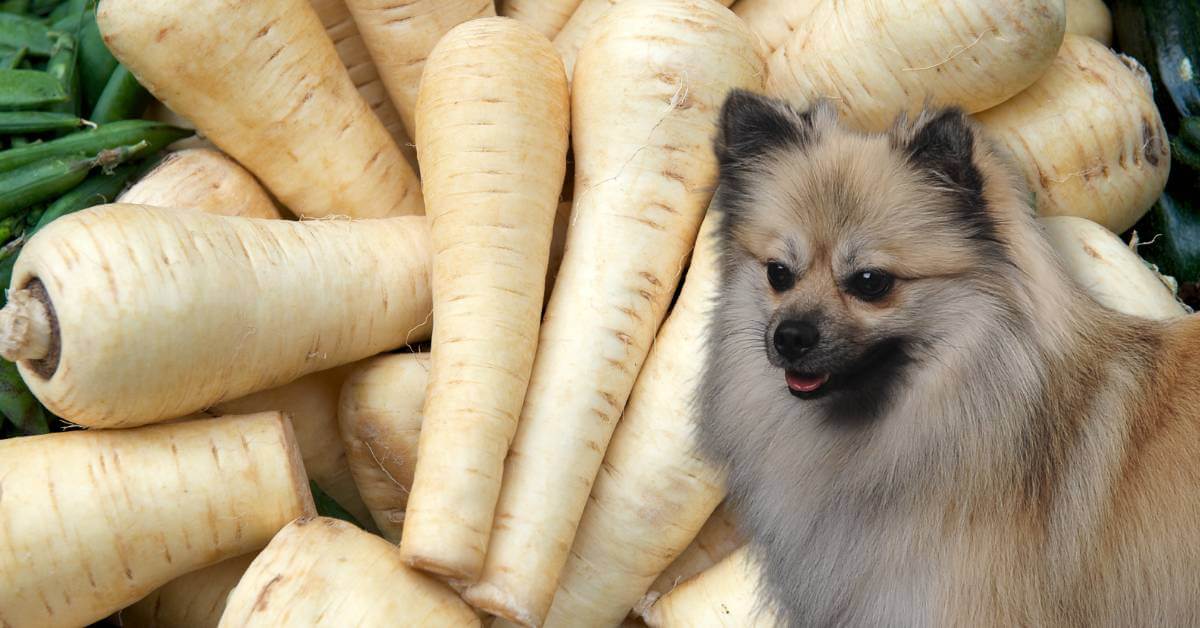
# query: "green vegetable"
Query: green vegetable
{"points": [[96, 63], [15, 6], [62, 66], [11, 60], [37, 122], [22, 187], [1164, 35], [67, 16], [1185, 153], [123, 97], [97, 189], [29, 89], [18, 31], [328, 507], [1174, 230], [18, 404], [111, 135], [1189, 130]]}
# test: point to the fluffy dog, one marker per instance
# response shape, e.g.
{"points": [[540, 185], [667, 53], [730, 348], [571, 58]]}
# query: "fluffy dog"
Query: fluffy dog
{"points": [[924, 422]]}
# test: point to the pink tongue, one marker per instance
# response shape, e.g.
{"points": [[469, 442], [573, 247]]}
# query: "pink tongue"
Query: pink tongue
{"points": [[800, 383]]}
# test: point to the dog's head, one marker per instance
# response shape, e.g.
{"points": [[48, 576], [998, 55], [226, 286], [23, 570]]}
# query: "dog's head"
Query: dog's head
{"points": [[846, 255]]}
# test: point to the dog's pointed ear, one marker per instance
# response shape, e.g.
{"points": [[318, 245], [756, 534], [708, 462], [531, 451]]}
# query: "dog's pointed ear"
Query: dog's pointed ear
{"points": [[752, 125], [941, 142]]}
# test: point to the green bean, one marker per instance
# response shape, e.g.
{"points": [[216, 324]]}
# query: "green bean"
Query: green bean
{"points": [[37, 122], [123, 97], [18, 31], [18, 404], [90, 142], [97, 189], [18, 141], [96, 63], [62, 66], [29, 89], [15, 6], [1189, 129], [24, 186], [11, 59], [43, 7]]}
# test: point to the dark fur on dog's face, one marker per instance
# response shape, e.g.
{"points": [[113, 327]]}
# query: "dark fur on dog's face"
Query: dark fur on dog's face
{"points": [[847, 255]]}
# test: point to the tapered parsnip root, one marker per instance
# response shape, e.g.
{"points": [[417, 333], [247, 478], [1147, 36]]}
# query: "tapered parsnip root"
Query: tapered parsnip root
{"points": [[400, 35], [312, 403], [380, 419], [572, 35], [95, 520], [156, 314], [264, 82], [647, 92], [875, 57], [774, 20], [352, 50], [545, 16], [1087, 136], [492, 124], [195, 600], [204, 179], [1108, 270], [1090, 18], [717, 539], [326, 572], [654, 491], [724, 595]]}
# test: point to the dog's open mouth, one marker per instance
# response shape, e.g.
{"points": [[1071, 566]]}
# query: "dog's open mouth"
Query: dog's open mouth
{"points": [[805, 385]]}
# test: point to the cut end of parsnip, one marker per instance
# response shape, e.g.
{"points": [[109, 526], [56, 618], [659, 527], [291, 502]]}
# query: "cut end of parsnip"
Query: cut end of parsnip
{"points": [[26, 329]]}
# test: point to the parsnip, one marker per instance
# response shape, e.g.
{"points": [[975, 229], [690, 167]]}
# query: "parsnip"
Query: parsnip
{"points": [[379, 414], [326, 572], [123, 315], [95, 520], [264, 82], [647, 92], [204, 179], [545, 16], [654, 491], [1087, 136], [1090, 18], [312, 402], [400, 35], [875, 57], [724, 595], [1108, 270], [717, 539], [352, 50], [774, 20], [492, 124], [195, 600], [572, 35]]}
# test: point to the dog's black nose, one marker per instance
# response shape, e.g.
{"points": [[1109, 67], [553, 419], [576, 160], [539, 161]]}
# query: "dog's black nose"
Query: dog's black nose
{"points": [[793, 338]]}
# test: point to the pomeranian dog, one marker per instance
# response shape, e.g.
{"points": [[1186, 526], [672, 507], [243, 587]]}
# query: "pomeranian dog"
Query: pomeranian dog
{"points": [[924, 422]]}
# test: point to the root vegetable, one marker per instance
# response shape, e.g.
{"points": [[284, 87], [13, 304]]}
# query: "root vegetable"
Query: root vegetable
{"points": [[380, 418], [215, 307], [204, 179], [195, 600], [572, 35], [647, 92], [400, 35], [326, 572], [1087, 136], [717, 539], [654, 491], [774, 20], [1108, 270], [724, 595], [352, 50], [263, 81], [874, 57], [1090, 18], [95, 520], [312, 403], [492, 124], [545, 16]]}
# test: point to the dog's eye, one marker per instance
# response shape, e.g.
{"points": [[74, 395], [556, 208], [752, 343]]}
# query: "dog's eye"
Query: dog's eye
{"points": [[869, 285], [780, 277]]}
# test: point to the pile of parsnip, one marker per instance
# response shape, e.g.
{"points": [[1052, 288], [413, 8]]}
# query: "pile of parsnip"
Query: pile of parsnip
{"points": [[483, 350]]}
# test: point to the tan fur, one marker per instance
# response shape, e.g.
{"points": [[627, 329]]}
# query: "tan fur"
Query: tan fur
{"points": [[1040, 462]]}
